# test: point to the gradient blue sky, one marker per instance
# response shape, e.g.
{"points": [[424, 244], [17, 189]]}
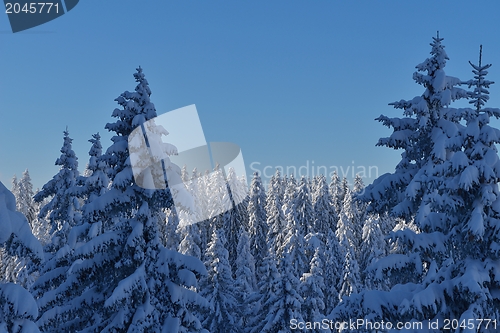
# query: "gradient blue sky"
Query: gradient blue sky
{"points": [[289, 81]]}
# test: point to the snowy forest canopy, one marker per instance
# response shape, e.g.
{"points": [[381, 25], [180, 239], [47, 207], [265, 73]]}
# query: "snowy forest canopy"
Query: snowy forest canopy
{"points": [[419, 248]]}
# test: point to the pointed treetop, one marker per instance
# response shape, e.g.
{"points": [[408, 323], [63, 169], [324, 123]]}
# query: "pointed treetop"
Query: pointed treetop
{"points": [[438, 53], [437, 39], [479, 96], [143, 86], [480, 54]]}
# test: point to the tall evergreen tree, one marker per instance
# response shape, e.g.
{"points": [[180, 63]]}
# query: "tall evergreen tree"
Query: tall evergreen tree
{"points": [[91, 186], [463, 214], [304, 208], [281, 301], [421, 133], [451, 173], [314, 183], [324, 212], [237, 215], [190, 243], [14, 267], [25, 203], [275, 217], [219, 202], [313, 287], [96, 182], [351, 279], [291, 300], [18, 309], [336, 194], [15, 187], [124, 279], [264, 302], [219, 288], [333, 270], [293, 235], [350, 224], [245, 281], [345, 227], [63, 209], [258, 227], [373, 247], [170, 231]]}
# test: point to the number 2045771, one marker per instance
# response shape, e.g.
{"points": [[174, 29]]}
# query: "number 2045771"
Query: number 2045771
{"points": [[32, 8]]}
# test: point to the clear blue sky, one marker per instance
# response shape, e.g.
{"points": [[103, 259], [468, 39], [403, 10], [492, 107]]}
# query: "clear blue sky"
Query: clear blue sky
{"points": [[289, 81]]}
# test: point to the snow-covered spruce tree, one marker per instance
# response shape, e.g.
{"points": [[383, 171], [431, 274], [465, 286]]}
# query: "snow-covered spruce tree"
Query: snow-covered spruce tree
{"points": [[288, 181], [424, 136], [263, 301], [294, 239], [462, 215], [191, 222], [52, 288], [350, 225], [257, 228], [333, 268], [91, 186], [336, 194], [280, 300], [303, 207], [96, 182], [12, 264], [274, 210], [219, 202], [313, 287], [15, 187], [197, 215], [344, 187], [350, 282], [358, 185], [421, 134], [18, 309], [245, 280], [190, 243], [313, 187], [63, 209], [237, 215], [170, 235], [345, 226], [373, 247], [323, 220], [19, 268], [62, 213], [195, 187], [324, 212], [41, 228], [359, 209], [124, 279], [199, 186], [185, 174], [243, 191], [291, 300], [25, 203], [446, 183], [219, 289]]}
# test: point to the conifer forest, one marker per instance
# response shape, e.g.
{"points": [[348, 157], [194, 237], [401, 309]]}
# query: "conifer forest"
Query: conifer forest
{"points": [[417, 250]]}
